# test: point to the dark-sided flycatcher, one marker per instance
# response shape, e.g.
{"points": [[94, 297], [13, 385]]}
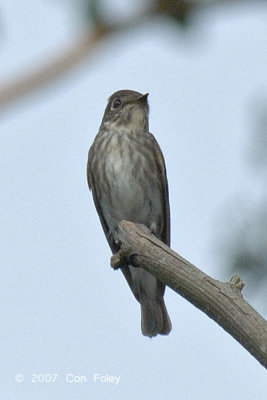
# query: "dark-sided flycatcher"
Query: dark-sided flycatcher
{"points": [[126, 173]]}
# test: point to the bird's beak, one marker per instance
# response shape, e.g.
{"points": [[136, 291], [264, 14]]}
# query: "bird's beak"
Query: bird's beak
{"points": [[143, 97]]}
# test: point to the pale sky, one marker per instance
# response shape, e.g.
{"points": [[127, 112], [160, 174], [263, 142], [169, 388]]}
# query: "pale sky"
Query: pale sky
{"points": [[64, 311]]}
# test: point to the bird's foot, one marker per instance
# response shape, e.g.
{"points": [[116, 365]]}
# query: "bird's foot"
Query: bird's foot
{"points": [[116, 261]]}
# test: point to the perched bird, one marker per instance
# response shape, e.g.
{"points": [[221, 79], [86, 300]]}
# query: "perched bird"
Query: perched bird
{"points": [[127, 175]]}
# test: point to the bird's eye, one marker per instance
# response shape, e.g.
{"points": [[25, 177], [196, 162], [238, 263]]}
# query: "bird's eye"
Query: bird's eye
{"points": [[115, 104]]}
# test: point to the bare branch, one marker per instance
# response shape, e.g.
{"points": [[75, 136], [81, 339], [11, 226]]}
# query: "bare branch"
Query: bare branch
{"points": [[18, 86], [221, 301], [52, 69]]}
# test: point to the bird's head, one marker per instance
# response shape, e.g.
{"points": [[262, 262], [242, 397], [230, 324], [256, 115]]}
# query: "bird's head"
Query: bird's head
{"points": [[126, 109]]}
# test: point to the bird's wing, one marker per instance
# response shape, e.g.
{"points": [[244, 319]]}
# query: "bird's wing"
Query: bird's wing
{"points": [[165, 236], [92, 187], [112, 244]]}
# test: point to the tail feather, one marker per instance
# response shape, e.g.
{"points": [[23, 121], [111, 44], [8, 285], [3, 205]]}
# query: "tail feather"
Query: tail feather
{"points": [[154, 317], [149, 292]]}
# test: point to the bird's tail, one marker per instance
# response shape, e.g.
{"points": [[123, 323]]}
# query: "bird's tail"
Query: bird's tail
{"points": [[149, 292], [154, 317]]}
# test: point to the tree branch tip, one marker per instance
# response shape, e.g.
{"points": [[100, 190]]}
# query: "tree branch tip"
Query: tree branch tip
{"points": [[125, 222], [140, 229], [236, 282]]}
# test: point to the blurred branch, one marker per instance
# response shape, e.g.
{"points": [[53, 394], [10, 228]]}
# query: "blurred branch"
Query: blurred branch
{"points": [[221, 301], [245, 242], [68, 58]]}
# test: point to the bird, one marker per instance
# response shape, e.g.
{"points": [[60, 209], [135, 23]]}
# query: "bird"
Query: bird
{"points": [[126, 173]]}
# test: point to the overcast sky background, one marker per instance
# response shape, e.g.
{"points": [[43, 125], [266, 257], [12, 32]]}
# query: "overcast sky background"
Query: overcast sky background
{"points": [[63, 309]]}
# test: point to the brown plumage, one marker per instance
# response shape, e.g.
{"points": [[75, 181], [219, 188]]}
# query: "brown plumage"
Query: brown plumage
{"points": [[126, 173]]}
